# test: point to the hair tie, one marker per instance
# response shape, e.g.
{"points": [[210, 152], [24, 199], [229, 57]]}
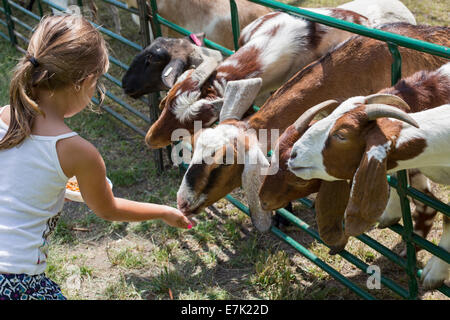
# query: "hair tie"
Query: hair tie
{"points": [[33, 61]]}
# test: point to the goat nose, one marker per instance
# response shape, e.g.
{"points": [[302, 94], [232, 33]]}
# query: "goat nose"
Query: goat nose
{"points": [[264, 205], [182, 204], [293, 154]]}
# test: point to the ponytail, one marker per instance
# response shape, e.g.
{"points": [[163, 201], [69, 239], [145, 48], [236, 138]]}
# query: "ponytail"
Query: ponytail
{"points": [[23, 108]]}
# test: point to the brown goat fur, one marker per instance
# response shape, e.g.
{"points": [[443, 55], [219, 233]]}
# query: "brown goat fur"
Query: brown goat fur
{"points": [[281, 188]]}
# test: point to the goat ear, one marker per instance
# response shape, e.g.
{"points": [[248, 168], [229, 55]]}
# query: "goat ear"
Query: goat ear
{"points": [[238, 97], [370, 191], [330, 205], [200, 37], [172, 71], [251, 183]]}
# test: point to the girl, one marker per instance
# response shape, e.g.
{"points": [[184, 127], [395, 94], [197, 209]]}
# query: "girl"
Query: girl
{"points": [[38, 153]]}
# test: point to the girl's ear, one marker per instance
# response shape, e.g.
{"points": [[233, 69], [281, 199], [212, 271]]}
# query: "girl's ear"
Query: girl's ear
{"points": [[330, 205], [90, 80], [370, 191]]}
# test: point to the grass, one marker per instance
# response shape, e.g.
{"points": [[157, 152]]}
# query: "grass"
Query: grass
{"points": [[223, 257], [8, 59]]}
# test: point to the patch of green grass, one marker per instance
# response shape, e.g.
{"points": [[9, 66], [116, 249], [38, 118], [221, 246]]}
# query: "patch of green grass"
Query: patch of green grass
{"points": [[86, 271], [205, 231], [63, 232], [90, 219], [8, 59], [165, 280], [161, 254], [209, 293], [128, 258], [248, 252], [275, 277], [143, 227], [121, 290]]}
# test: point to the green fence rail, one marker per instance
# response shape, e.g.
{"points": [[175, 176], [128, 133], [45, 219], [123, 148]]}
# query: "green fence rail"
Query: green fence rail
{"points": [[10, 22]]}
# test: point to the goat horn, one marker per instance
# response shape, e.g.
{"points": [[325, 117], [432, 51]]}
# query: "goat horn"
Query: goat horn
{"points": [[388, 99], [204, 70], [375, 111], [303, 121]]}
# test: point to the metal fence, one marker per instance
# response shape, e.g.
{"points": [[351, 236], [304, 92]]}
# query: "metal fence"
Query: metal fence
{"points": [[9, 23]]}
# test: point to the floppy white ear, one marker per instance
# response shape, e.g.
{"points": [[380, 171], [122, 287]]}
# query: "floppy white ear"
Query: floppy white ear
{"points": [[238, 97], [251, 183]]}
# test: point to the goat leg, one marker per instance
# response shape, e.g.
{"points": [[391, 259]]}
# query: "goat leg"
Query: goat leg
{"points": [[437, 271]]}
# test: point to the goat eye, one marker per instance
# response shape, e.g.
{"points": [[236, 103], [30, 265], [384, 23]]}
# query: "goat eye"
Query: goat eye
{"points": [[148, 58], [339, 136]]}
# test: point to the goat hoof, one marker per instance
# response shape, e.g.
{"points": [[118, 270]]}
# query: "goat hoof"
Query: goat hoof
{"points": [[336, 249], [404, 253], [435, 273], [280, 221]]}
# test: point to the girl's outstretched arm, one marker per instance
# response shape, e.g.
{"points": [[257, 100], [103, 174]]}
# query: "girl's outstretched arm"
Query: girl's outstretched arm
{"points": [[81, 159]]}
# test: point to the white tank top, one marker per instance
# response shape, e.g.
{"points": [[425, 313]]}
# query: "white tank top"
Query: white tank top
{"points": [[32, 188]]}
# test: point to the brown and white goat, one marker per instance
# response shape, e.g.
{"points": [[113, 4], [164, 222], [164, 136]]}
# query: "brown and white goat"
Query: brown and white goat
{"points": [[338, 75], [361, 141], [276, 46], [211, 17], [423, 90]]}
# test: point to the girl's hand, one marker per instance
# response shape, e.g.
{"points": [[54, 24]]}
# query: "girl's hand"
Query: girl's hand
{"points": [[176, 218]]}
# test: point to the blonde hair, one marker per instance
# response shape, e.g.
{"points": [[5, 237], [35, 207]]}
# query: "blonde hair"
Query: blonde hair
{"points": [[63, 51]]}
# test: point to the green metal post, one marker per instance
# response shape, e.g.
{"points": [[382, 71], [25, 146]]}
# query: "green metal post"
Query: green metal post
{"points": [[41, 12], [12, 36], [155, 20], [402, 190], [153, 97], [235, 23]]}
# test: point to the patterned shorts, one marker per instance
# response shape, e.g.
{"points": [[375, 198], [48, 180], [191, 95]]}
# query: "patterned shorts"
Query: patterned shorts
{"points": [[28, 287]]}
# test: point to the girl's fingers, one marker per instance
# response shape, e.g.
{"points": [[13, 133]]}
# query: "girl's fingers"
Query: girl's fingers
{"points": [[188, 223]]}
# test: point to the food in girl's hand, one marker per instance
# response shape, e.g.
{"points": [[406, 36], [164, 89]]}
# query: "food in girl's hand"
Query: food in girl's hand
{"points": [[73, 186]]}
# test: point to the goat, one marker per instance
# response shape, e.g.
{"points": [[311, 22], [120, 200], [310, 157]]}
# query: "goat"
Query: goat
{"points": [[275, 46], [315, 154], [211, 17], [203, 184], [423, 90], [160, 64], [357, 141]]}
